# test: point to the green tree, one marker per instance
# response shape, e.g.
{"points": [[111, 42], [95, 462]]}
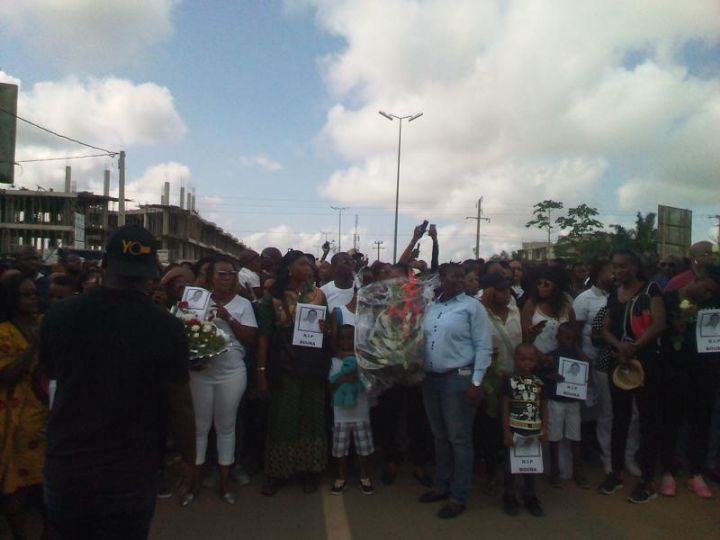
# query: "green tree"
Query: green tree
{"points": [[584, 236], [642, 238], [543, 216], [580, 221]]}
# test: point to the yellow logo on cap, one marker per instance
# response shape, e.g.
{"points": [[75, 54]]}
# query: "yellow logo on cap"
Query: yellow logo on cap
{"points": [[133, 247]]}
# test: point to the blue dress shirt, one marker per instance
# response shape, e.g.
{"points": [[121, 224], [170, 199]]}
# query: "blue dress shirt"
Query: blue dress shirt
{"points": [[457, 335]]}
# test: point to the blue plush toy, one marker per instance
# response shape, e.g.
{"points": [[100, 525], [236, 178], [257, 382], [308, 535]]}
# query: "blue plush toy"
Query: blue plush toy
{"points": [[347, 393]]}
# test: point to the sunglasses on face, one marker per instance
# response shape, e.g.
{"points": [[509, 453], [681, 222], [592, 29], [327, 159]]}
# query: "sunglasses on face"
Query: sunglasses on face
{"points": [[225, 274], [544, 283]]}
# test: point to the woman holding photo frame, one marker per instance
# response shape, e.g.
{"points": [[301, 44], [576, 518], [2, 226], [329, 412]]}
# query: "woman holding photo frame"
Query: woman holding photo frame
{"points": [[218, 389], [294, 378]]}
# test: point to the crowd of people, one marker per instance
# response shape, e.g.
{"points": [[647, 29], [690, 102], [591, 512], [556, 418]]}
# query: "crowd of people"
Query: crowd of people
{"points": [[101, 408]]}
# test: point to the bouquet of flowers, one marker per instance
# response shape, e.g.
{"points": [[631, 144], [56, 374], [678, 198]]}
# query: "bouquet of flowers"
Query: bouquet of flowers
{"points": [[389, 342], [685, 320], [204, 338]]}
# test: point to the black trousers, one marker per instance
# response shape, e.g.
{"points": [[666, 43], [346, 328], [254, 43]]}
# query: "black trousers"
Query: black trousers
{"points": [[688, 394], [487, 437], [402, 407], [648, 403], [528, 480]]}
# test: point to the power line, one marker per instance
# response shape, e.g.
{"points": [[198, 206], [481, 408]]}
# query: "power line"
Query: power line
{"points": [[58, 134], [110, 154]]}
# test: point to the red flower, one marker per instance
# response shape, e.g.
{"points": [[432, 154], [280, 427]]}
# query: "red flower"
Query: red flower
{"points": [[194, 322], [183, 305]]}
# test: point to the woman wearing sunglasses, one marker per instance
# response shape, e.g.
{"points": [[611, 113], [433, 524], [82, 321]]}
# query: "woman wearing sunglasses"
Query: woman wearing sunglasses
{"points": [[548, 307], [218, 389]]}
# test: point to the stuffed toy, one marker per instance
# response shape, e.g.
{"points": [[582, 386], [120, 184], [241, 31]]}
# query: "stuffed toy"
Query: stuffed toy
{"points": [[346, 394]]}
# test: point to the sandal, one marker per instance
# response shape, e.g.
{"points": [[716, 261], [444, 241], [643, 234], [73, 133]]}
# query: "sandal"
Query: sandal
{"points": [[270, 487], [229, 497], [309, 484], [424, 479]]}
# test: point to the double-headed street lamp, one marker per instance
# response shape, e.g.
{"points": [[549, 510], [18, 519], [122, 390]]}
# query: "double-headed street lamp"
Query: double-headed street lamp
{"points": [[409, 118]]}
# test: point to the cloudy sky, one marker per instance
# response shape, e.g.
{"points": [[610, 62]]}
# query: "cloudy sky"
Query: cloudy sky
{"points": [[270, 109]]}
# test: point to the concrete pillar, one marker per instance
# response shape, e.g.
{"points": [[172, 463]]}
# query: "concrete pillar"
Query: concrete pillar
{"points": [[166, 193], [182, 197], [106, 204], [68, 179]]}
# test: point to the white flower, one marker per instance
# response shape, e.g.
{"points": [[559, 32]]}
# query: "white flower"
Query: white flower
{"points": [[195, 328], [187, 317], [206, 327], [195, 336]]}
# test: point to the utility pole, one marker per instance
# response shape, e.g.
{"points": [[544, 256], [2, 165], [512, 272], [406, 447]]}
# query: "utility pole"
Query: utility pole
{"points": [[479, 218], [356, 236], [378, 246], [121, 189], [340, 211], [717, 217]]}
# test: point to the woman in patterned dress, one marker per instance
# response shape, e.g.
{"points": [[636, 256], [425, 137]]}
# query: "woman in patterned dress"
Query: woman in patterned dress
{"points": [[294, 378], [23, 401]]}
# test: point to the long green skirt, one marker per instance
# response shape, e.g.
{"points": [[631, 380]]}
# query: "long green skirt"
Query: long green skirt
{"points": [[296, 441]]}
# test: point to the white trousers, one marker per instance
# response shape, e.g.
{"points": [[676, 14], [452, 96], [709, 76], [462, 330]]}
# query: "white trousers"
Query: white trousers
{"points": [[218, 401], [604, 422]]}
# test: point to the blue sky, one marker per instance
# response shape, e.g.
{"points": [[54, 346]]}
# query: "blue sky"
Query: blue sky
{"points": [[269, 109]]}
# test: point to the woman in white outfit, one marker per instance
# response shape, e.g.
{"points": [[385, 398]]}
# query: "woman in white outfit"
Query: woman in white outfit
{"points": [[548, 307], [218, 389]]}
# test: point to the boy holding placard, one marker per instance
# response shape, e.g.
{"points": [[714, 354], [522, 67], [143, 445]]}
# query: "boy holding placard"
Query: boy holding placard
{"points": [[564, 411], [524, 417]]}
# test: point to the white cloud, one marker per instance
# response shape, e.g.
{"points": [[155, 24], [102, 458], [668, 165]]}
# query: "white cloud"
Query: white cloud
{"points": [[147, 188], [284, 237], [261, 161], [88, 33], [521, 102], [108, 113]]}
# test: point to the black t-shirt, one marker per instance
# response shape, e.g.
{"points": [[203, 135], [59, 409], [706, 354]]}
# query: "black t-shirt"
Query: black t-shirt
{"points": [[111, 352], [631, 319]]}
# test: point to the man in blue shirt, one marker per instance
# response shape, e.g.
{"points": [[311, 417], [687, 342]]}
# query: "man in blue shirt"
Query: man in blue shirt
{"points": [[458, 349]]}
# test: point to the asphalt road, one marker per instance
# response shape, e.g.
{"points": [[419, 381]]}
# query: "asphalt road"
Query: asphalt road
{"points": [[393, 512]]}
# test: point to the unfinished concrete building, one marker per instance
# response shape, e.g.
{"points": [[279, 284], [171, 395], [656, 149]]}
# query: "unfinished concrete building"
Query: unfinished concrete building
{"points": [[52, 220]]}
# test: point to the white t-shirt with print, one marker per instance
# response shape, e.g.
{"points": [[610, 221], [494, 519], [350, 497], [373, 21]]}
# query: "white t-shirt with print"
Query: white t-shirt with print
{"points": [[230, 362]]}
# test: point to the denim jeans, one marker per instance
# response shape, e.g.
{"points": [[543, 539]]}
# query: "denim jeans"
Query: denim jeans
{"points": [[451, 422], [96, 516]]}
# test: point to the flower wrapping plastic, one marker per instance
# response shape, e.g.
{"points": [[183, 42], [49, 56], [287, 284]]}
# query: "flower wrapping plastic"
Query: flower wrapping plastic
{"points": [[389, 340], [205, 339]]}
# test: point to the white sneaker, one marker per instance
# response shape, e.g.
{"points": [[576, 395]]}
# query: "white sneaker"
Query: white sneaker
{"points": [[240, 476], [633, 468]]}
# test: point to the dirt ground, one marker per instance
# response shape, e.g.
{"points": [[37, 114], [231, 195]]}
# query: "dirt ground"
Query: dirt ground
{"points": [[393, 512]]}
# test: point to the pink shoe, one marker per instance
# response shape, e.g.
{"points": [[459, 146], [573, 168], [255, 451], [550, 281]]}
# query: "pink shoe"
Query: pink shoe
{"points": [[668, 488], [697, 485]]}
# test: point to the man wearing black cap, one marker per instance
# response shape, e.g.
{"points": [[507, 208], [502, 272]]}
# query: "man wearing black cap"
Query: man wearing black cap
{"points": [[121, 364]]}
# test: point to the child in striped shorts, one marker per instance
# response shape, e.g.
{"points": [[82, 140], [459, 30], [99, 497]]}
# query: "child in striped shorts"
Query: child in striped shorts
{"points": [[350, 422]]}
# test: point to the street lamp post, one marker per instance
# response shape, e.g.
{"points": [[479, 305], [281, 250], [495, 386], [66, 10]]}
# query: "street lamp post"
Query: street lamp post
{"points": [[409, 118], [340, 211]]}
